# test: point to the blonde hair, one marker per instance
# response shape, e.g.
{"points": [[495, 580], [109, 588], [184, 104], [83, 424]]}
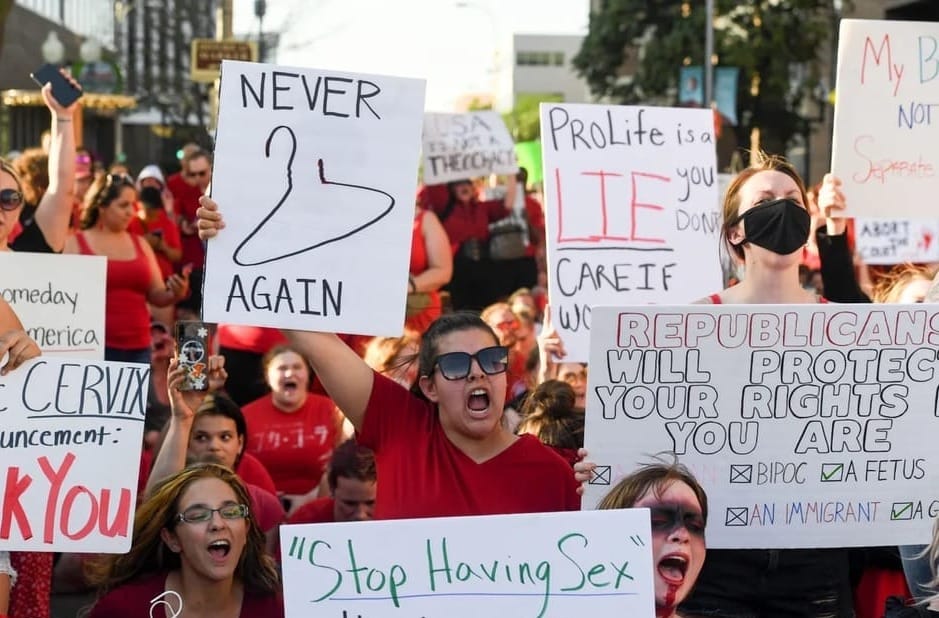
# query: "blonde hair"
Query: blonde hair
{"points": [[894, 283]]}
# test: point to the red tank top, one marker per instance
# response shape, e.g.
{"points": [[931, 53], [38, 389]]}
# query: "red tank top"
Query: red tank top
{"points": [[126, 317], [419, 263]]}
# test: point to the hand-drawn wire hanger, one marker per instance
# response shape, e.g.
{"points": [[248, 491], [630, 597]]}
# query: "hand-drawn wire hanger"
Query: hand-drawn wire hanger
{"points": [[272, 243]]}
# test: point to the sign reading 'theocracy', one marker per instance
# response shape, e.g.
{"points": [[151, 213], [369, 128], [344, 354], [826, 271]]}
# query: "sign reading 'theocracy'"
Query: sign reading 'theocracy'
{"points": [[70, 438], [808, 425], [315, 175], [631, 206], [463, 146], [885, 147], [596, 564]]}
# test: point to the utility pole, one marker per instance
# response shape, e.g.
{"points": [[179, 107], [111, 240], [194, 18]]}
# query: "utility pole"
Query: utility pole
{"points": [[708, 53], [223, 32]]}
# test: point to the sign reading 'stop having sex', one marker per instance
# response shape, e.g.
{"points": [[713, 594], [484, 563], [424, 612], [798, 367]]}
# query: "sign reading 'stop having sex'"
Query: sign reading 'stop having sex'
{"points": [[315, 175], [631, 206], [808, 425]]}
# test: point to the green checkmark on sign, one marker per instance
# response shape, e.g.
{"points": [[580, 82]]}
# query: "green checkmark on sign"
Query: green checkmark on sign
{"points": [[832, 472], [901, 510]]}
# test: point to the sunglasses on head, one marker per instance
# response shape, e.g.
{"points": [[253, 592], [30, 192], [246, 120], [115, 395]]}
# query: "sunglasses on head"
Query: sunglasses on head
{"points": [[667, 518], [10, 199], [124, 179], [457, 365]]}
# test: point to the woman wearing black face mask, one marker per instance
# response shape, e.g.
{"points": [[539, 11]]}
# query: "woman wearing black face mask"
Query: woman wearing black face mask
{"points": [[765, 226]]}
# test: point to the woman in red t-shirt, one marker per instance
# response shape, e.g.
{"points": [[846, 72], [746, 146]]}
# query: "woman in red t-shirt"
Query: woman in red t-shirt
{"points": [[291, 430], [133, 278], [196, 545], [430, 269]]}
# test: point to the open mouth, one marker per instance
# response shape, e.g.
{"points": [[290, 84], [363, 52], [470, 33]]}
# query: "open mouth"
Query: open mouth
{"points": [[478, 400], [290, 386], [219, 549], [672, 568]]}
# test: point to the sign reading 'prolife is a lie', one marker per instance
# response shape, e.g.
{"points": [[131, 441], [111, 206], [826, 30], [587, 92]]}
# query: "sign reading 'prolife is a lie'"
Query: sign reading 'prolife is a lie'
{"points": [[596, 564], [885, 147], [70, 436], [314, 174], [808, 425], [631, 206]]}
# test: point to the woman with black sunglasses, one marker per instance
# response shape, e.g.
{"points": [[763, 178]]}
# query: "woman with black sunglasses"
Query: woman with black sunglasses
{"points": [[441, 447], [133, 278], [41, 227]]}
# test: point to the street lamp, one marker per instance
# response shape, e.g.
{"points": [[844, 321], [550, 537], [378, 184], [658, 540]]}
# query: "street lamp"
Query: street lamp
{"points": [[260, 8], [53, 51]]}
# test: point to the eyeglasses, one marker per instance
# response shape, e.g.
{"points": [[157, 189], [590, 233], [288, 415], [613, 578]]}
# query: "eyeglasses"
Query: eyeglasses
{"points": [[202, 514], [668, 518], [120, 179], [10, 199], [457, 365]]}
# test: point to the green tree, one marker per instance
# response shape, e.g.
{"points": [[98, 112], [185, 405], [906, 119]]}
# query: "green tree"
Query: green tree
{"points": [[524, 121], [775, 43]]}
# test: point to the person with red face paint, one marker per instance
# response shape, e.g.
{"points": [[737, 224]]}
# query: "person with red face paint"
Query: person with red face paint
{"points": [[678, 510]]}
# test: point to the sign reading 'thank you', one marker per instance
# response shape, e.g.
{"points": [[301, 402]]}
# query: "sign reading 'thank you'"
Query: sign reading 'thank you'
{"points": [[631, 206], [808, 425], [551, 565], [315, 176], [70, 437]]}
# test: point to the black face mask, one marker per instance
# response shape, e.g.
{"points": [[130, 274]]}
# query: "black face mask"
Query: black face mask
{"points": [[780, 226]]}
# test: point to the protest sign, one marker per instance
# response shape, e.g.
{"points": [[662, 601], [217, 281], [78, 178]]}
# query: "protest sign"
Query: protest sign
{"points": [[884, 147], [807, 425], [631, 207], [70, 438], [897, 241], [462, 146], [315, 175], [596, 564], [59, 299]]}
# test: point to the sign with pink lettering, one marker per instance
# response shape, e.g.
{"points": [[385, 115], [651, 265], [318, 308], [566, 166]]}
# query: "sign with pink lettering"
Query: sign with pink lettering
{"points": [[807, 425], [70, 438], [632, 210], [884, 146]]}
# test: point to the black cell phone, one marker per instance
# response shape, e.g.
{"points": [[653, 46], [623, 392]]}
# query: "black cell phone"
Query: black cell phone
{"points": [[192, 347], [62, 90]]}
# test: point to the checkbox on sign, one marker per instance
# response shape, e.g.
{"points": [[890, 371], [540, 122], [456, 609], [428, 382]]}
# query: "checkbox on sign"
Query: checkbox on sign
{"points": [[832, 472], [901, 511], [741, 473], [601, 475], [736, 516]]}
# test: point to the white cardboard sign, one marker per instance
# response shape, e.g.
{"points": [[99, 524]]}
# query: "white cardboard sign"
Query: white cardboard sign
{"points": [[59, 299], [596, 564], [631, 206], [807, 425], [70, 439], [315, 175], [884, 144], [461, 146], [897, 241]]}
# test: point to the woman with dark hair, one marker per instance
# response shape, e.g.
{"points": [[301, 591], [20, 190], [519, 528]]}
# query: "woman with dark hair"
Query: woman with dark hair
{"points": [[550, 413], [678, 510], [466, 221], [197, 550], [441, 447], [291, 430], [133, 278]]}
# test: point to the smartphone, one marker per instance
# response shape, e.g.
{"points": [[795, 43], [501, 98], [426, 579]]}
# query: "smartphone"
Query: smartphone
{"points": [[192, 348], [62, 90]]}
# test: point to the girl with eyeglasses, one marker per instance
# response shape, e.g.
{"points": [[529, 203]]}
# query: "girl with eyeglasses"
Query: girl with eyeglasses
{"points": [[133, 277], [43, 226], [441, 447], [197, 551]]}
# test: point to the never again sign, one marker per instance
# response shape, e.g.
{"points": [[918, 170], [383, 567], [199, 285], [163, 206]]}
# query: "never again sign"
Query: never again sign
{"points": [[70, 438], [808, 425], [596, 564], [315, 174]]}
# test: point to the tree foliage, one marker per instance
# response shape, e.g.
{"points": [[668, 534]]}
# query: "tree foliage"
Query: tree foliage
{"points": [[775, 43]]}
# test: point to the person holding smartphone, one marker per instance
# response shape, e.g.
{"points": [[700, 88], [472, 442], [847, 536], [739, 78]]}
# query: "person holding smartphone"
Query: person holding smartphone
{"points": [[42, 227]]}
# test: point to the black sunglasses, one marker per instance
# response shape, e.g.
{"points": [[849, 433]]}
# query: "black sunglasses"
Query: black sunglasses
{"points": [[457, 365], [10, 199], [669, 517]]}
